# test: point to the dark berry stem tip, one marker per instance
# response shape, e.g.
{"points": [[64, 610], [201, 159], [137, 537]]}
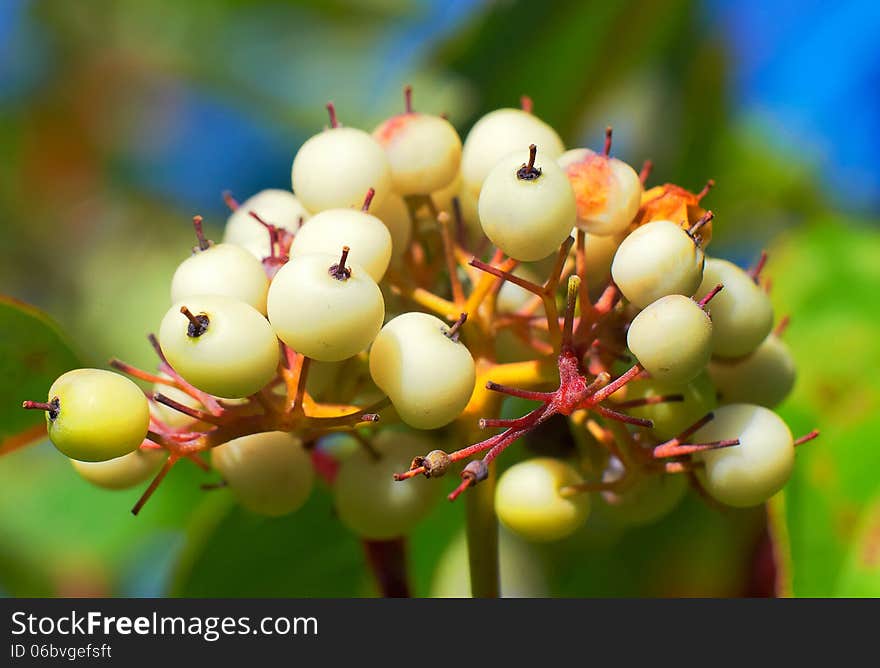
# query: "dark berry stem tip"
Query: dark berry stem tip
{"points": [[339, 271], [528, 171]]}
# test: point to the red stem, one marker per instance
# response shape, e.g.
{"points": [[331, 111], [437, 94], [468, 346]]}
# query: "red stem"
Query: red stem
{"points": [[172, 459], [710, 295], [331, 110], [807, 437], [645, 172]]}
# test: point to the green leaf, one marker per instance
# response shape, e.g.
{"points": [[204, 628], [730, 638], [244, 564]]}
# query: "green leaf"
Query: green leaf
{"points": [[33, 353], [826, 275], [234, 553]]}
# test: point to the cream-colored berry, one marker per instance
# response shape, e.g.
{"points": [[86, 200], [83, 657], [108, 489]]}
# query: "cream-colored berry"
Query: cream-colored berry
{"points": [[232, 353], [749, 473], [672, 339], [742, 315], [96, 415], [608, 191], [526, 206], [764, 377], [269, 473], [224, 270], [367, 237], [424, 152], [428, 376], [655, 260], [498, 134], [323, 311], [529, 503], [367, 498], [280, 208], [122, 472], [334, 169]]}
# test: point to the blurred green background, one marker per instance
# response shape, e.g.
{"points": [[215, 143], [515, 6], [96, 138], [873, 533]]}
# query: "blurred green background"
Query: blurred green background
{"points": [[121, 119]]}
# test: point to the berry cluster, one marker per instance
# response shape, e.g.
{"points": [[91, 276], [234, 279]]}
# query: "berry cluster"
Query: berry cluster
{"points": [[400, 278]]}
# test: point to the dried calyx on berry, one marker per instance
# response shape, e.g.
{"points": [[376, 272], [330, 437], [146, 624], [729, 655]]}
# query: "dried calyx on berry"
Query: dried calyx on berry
{"points": [[338, 270], [528, 171]]}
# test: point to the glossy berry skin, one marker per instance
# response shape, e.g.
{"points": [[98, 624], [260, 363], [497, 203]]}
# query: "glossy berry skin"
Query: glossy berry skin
{"points": [[101, 415], [236, 355], [428, 376], [269, 473], [526, 218], [528, 501], [607, 190], [673, 417], [122, 472], [394, 214], [367, 237], [750, 473], [672, 339], [367, 498], [655, 260], [742, 315], [498, 134], [334, 169], [280, 208], [321, 316], [764, 377], [225, 270], [424, 152]]}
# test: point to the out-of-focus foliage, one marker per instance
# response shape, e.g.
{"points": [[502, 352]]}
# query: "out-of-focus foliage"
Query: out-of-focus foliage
{"points": [[32, 353], [828, 276], [120, 119]]}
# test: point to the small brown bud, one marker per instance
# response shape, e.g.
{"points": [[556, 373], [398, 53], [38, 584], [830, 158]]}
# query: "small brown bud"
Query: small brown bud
{"points": [[436, 463]]}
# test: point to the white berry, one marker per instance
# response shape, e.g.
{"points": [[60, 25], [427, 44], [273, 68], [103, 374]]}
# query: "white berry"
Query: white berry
{"points": [[424, 152], [749, 473], [428, 376], [280, 208], [224, 270], [498, 134], [367, 237], [122, 472], [742, 315], [607, 190], [367, 498], [526, 206], [322, 311], [269, 473], [334, 169], [764, 377], [529, 503], [655, 260], [672, 339], [234, 353]]}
